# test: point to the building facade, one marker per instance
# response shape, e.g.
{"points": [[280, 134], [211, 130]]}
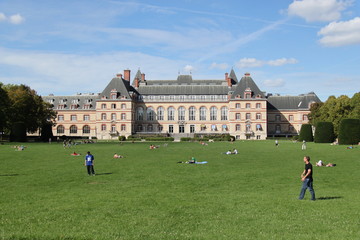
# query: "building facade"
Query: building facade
{"points": [[180, 108]]}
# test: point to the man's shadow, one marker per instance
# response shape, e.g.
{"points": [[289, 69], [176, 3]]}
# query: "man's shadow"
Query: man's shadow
{"points": [[329, 198], [98, 174]]}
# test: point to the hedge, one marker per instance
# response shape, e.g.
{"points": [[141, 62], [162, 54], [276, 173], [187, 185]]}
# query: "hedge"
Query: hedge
{"points": [[349, 131], [324, 132], [306, 133]]}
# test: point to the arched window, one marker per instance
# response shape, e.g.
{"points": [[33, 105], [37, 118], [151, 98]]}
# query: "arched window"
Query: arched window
{"points": [[237, 127], [150, 114], [103, 116], [86, 129], [192, 113], [103, 127], [113, 105], [203, 113], [224, 113], [73, 129], [113, 116], [139, 114], [171, 113], [213, 113], [181, 114], [123, 116], [160, 113], [60, 129]]}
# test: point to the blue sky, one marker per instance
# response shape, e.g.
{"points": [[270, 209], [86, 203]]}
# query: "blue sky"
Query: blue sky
{"points": [[289, 47]]}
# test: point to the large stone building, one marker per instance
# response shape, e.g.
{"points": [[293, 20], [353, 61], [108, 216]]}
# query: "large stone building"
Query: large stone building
{"points": [[181, 107]]}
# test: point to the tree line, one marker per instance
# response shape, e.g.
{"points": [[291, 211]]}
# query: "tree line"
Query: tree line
{"points": [[23, 111], [335, 118]]}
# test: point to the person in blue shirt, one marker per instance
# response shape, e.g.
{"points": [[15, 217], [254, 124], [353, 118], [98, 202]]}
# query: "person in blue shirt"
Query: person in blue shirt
{"points": [[89, 163]]}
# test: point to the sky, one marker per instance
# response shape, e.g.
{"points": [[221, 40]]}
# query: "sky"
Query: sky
{"points": [[77, 46]]}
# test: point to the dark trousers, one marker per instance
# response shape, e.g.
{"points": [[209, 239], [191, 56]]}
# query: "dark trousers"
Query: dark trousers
{"points": [[90, 169], [307, 184]]}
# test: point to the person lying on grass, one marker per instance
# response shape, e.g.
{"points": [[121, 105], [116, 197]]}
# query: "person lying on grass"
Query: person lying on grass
{"points": [[118, 156]]}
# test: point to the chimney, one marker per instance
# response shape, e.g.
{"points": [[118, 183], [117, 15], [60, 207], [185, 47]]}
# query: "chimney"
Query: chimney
{"points": [[247, 74], [143, 77], [119, 75], [136, 82], [228, 80], [127, 75], [226, 76]]}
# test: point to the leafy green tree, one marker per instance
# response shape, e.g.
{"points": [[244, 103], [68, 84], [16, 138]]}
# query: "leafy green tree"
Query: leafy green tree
{"points": [[4, 108], [28, 108], [355, 106]]}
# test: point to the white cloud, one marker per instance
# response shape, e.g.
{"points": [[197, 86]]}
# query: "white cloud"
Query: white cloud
{"points": [[2, 17], [274, 83], [341, 33], [253, 62], [221, 66], [188, 68], [318, 10], [16, 19]]}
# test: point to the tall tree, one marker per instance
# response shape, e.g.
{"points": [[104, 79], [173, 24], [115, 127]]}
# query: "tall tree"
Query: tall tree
{"points": [[4, 107]]}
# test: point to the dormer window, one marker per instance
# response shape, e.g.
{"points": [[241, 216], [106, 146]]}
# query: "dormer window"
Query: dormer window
{"points": [[247, 93], [113, 94]]}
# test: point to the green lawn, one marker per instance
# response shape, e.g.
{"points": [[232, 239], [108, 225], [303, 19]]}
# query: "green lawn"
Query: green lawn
{"points": [[47, 194]]}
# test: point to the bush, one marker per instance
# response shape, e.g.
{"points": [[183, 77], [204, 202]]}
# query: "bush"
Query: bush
{"points": [[306, 133], [122, 138], [324, 132], [186, 139], [18, 132], [349, 131]]}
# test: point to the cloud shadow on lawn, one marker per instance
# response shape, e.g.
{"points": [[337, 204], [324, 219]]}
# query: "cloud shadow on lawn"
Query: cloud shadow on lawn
{"points": [[9, 175], [328, 198]]}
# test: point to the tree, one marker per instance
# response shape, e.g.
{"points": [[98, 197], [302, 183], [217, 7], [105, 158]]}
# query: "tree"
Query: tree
{"points": [[28, 108], [324, 132], [306, 133], [4, 107], [349, 131]]}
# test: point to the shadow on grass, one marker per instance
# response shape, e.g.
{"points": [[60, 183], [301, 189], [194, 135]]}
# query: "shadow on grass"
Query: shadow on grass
{"points": [[98, 174], [328, 198], [9, 175]]}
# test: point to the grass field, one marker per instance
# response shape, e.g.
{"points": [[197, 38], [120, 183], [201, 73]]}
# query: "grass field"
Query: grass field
{"points": [[47, 194]]}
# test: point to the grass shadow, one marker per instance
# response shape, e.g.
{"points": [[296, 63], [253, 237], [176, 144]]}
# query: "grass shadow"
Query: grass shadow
{"points": [[9, 175], [98, 174], [328, 198]]}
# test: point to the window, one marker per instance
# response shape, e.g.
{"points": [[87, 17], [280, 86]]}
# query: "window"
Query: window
{"points": [[123, 127], [237, 127], [237, 105], [258, 116], [212, 97], [150, 128], [172, 97], [291, 128], [213, 127], [113, 116], [139, 114], [202, 97], [258, 127], [103, 106], [258, 137], [113, 96], [123, 106], [277, 118], [103, 116], [192, 128], [113, 106], [237, 116], [123, 116], [203, 113], [182, 97], [291, 117], [258, 105], [139, 128], [150, 114], [171, 128], [103, 127], [181, 114], [248, 128], [224, 113], [86, 117], [248, 116], [213, 113], [113, 128], [171, 113], [192, 113], [160, 113], [248, 105], [73, 129], [61, 118], [86, 129], [160, 128], [278, 128], [60, 129], [305, 117], [73, 117]]}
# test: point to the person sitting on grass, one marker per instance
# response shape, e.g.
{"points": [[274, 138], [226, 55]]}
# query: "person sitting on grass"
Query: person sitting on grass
{"points": [[319, 163], [118, 156], [235, 151], [191, 161]]}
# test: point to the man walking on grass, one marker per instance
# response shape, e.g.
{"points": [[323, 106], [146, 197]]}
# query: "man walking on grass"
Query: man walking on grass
{"points": [[89, 163], [306, 178]]}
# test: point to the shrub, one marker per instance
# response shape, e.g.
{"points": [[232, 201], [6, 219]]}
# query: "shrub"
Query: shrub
{"points": [[186, 139], [122, 138], [324, 132], [349, 131], [306, 133]]}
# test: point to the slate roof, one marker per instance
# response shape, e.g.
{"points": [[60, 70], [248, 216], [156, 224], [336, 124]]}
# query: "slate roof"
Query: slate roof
{"points": [[122, 87], [78, 100], [300, 102], [247, 82], [183, 90]]}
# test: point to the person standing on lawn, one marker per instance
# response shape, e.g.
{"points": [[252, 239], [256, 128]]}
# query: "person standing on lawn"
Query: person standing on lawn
{"points": [[89, 163], [307, 179]]}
